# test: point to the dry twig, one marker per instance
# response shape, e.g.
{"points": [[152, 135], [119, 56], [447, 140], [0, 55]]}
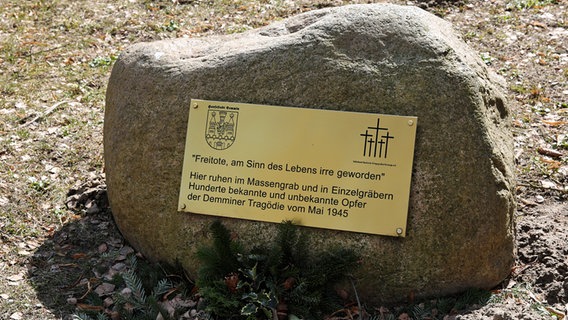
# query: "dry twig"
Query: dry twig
{"points": [[45, 114], [530, 185]]}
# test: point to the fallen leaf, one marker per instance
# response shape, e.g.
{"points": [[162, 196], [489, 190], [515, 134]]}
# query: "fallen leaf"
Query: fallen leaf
{"points": [[15, 278], [108, 302], [551, 164], [103, 248], [88, 307], [549, 152], [126, 250], [24, 253], [32, 244], [77, 256], [105, 289], [289, 283], [231, 281], [558, 314], [538, 24], [118, 266], [16, 316], [68, 265], [527, 202], [548, 184], [554, 123]]}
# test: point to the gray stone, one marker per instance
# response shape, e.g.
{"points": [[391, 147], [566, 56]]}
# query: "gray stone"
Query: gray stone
{"points": [[372, 58]]}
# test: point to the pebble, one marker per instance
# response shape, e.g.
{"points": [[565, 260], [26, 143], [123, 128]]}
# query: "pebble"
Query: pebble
{"points": [[539, 199]]}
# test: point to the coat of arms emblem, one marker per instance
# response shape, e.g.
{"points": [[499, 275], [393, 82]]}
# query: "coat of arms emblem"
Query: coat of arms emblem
{"points": [[221, 129]]}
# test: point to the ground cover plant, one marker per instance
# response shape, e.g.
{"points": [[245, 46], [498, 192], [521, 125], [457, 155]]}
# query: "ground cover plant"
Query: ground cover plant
{"points": [[281, 280], [59, 248]]}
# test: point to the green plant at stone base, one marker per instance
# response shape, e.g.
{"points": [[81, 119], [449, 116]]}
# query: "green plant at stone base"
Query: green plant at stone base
{"points": [[136, 303], [281, 280]]}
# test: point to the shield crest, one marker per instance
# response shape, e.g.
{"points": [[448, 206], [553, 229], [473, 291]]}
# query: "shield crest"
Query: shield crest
{"points": [[221, 129]]}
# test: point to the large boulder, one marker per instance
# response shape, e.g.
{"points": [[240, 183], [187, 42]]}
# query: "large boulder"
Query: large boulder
{"points": [[370, 58]]}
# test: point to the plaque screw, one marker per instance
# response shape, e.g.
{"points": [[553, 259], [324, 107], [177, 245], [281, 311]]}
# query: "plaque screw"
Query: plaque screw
{"points": [[399, 230], [410, 122], [195, 106]]}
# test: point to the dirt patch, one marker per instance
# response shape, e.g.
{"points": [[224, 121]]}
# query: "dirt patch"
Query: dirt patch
{"points": [[542, 237], [538, 285]]}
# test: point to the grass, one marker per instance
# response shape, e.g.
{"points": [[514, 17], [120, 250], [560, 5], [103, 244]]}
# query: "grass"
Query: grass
{"points": [[55, 51], [529, 4]]}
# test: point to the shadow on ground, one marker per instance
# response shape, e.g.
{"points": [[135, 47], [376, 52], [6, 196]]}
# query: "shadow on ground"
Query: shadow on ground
{"points": [[67, 267]]}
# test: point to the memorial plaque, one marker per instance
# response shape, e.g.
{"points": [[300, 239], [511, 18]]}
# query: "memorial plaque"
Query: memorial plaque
{"points": [[329, 169]]}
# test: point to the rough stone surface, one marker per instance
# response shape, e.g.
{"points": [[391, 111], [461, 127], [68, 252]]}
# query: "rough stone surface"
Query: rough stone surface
{"points": [[372, 58]]}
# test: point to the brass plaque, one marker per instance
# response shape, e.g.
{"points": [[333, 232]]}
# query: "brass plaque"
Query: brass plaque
{"points": [[320, 168]]}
